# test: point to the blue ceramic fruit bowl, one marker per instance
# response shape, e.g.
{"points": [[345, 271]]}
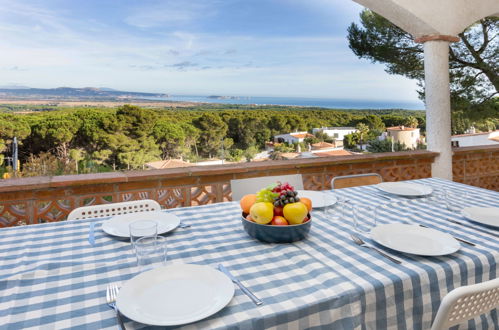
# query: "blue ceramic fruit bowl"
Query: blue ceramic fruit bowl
{"points": [[276, 234]]}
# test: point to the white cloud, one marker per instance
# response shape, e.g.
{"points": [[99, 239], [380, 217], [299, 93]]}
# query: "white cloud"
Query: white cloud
{"points": [[169, 13]]}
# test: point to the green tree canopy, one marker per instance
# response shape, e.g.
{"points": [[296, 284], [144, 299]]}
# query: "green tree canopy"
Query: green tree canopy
{"points": [[474, 64], [385, 145], [135, 121], [362, 129], [170, 138], [57, 133], [212, 131], [374, 122], [411, 122], [13, 126]]}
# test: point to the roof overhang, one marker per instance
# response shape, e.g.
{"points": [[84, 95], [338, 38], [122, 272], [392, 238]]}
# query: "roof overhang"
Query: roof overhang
{"points": [[433, 17]]}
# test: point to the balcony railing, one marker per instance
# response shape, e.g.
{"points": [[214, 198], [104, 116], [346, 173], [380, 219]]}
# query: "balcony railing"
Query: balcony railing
{"points": [[46, 199], [477, 166]]}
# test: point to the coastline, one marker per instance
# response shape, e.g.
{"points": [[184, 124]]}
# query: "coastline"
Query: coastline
{"points": [[106, 104], [312, 104], [306, 102]]}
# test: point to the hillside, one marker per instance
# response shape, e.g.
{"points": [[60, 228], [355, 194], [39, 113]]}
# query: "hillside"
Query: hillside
{"points": [[68, 93]]}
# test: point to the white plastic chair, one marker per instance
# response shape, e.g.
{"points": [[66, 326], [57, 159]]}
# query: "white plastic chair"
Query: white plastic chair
{"points": [[241, 187], [466, 303], [108, 210]]}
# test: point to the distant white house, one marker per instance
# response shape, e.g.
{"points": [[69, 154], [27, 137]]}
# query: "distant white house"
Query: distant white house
{"points": [[212, 162], [337, 133], [475, 139], [174, 163], [296, 137], [407, 135]]}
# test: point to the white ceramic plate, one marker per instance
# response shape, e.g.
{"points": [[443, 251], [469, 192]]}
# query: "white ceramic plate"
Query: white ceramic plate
{"points": [[485, 215], [175, 294], [404, 188], [414, 239], [119, 224], [317, 198]]}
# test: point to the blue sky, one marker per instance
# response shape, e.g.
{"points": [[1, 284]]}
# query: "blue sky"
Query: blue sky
{"points": [[228, 47]]}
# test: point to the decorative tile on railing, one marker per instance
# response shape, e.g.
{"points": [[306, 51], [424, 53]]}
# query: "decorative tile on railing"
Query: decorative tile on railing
{"points": [[390, 173], [96, 200], [172, 198], [13, 214], [313, 181], [203, 195], [137, 195], [55, 210], [226, 192], [408, 173]]}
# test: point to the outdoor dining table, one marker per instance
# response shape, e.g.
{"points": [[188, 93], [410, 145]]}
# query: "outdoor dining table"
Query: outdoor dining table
{"points": [[52, 278]]}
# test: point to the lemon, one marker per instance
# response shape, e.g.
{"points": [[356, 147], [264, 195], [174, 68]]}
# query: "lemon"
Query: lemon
{"points": [[295, 213], [262, 212]]}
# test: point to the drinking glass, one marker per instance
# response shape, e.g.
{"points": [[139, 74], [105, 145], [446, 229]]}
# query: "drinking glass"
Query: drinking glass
{"points": [[328, 199], [455, 201], [437, 197], [143, 228], [364, 218], [150, 252], [337, 211]]}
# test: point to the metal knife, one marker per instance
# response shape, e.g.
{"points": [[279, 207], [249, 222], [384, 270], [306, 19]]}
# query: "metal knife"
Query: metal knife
{"points": [[456, 238], [471, 227], [377, 195], [240, 285]]}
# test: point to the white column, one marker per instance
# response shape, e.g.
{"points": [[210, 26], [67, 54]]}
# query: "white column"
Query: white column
{"points": [[438, 115]]}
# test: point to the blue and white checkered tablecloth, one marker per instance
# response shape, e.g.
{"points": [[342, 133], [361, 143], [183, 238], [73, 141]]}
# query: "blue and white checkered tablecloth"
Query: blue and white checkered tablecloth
{"points": [[52, 278]]}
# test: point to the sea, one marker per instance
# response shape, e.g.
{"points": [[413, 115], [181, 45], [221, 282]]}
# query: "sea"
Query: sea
{"points": [[301, 101]]}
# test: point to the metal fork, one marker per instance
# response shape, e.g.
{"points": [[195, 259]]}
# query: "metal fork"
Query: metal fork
{"points": [[111, 294], [357, 240]]}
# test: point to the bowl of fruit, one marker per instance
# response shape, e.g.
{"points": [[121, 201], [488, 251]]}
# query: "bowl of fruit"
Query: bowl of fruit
{"points": [[276, 214]]}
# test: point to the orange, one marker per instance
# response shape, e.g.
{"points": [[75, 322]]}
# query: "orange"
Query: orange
{"points": [[247, 202], [307, 202]]}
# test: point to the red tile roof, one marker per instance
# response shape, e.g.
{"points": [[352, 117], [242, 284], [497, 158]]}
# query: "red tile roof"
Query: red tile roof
{"points": [[322, 145], [290, 155], [169, 163], [400, 128], [333, 153], [301, 135]]}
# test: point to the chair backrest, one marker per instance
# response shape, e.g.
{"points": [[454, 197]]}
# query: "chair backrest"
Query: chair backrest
{"points": [[241, 187], [355, 180], [109, 210], [466, 303]]}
